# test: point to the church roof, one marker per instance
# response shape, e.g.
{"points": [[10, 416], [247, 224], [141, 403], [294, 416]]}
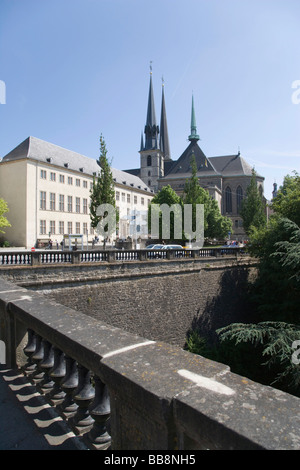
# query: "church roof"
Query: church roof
{"points": [[182, 166], [231, 165], [37, 149]]}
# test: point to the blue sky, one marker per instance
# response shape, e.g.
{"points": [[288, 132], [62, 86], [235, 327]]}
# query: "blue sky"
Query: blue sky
{"points": [[75, 69]]}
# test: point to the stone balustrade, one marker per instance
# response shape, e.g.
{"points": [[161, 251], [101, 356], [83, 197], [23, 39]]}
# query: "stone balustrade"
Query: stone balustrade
{"points": [[44, 257], [121, 391]]}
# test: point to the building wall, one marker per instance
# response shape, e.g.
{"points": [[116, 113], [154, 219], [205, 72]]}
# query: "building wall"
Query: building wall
{"points": [[35, 192], [13, 184]]}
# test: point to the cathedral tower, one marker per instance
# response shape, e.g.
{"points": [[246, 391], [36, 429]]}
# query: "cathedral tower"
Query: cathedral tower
{"points": [[156, 148]]}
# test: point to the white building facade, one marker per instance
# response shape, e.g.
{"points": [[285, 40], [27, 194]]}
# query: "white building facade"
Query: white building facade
{"points": [[47, 189]]}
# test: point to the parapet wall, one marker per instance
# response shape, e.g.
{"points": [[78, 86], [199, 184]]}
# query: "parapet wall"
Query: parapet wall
{"points": [[161, 397]]}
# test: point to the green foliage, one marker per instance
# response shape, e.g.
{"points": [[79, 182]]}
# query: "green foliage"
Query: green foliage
{"points": [[276, 339], [169, 197], [103, 186], [287, 201], [3, 220], [215, 225], [252, 209]]}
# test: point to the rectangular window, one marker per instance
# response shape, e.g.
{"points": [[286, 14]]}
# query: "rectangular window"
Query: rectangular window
{"points": [[61, 227], [117, 196], [61, 202], [85, 184], [43, 174], [142, 201], [78, 205], [52, 201], [61, 178], [70, 228], [70, 204], [135, 199], [77, 182], [85, 228], [128, 198], [42, 227], [52, 176], [70, 180], [52, 227], [85, 206], [43, 200], [123, 197], [77, 228]]}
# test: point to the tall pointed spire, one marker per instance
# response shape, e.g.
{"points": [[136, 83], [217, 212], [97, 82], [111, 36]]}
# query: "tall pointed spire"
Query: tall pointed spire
{"points": [[164, 136], [194, 135], [151, 129]]}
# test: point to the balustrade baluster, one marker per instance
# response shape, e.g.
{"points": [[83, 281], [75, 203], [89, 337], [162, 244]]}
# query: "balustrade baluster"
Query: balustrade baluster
{"points": [[57, 373], [100, 412], [68, 384], [47, 384], [82, 396], [37, 357], [29, 350]]}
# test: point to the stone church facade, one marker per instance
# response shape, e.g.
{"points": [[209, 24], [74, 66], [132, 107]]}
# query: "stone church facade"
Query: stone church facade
{"points": [[226, 178]]}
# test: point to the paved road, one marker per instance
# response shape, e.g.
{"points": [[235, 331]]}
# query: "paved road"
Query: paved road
{"points": [[27, 421]]}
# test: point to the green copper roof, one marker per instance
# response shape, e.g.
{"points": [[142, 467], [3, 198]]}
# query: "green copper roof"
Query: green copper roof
{"points": [[194, 135]]}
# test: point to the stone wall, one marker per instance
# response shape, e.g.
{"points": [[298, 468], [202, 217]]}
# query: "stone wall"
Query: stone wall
{"points": [[159, 300]]}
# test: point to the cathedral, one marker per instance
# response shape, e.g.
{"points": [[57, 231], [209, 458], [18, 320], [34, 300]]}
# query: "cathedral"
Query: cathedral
{"points": [[225, 177]]}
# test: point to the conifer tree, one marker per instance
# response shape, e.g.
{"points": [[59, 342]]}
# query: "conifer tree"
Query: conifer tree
{"points": [[103, 188]]}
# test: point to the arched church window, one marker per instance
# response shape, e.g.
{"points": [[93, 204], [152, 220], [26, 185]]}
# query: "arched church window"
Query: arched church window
{"points": [[239, 198], [149, 160], [228, 200], [149, 173]]}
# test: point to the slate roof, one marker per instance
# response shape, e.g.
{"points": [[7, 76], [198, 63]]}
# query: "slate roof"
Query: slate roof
{"points": [[43, 151], [231, 165], [182, 166]]}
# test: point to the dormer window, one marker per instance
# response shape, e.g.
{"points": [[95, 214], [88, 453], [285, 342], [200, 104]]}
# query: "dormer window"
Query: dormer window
{"points": [[66, 165]]}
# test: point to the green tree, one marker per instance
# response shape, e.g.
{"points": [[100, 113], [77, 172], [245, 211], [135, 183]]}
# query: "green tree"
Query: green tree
{"points": [[287, 201], [215, 225], [166, 196], [103, 190], [253, 210], [3, 220]]}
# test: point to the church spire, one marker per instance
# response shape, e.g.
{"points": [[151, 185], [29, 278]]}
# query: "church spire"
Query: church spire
{"points": [[151, 129], [164, 136], [194, 135]]}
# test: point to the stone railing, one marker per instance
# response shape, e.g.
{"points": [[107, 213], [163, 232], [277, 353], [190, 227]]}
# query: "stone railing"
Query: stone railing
{"points": [[120, 391], [42, 257]]}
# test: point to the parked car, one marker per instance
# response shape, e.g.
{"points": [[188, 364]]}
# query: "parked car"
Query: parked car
{"points": [[172, 247], [154, 250]]}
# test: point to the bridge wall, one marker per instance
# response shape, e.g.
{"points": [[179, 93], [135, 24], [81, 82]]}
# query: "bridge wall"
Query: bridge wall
{"points": [[159, 299], [161, 397]]}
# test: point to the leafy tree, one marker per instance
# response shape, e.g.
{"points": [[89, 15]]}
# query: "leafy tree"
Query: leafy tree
{"points": [[252, 209], [215, 225], [3, 210], [287, 201], [103, 189], [168, 197]]}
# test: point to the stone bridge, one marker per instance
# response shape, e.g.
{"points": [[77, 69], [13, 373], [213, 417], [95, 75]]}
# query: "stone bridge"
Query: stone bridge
{"points": [[122, 390]]}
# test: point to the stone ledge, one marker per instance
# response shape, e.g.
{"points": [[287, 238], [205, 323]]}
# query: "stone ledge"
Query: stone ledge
{"points": [[161, 396]]}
